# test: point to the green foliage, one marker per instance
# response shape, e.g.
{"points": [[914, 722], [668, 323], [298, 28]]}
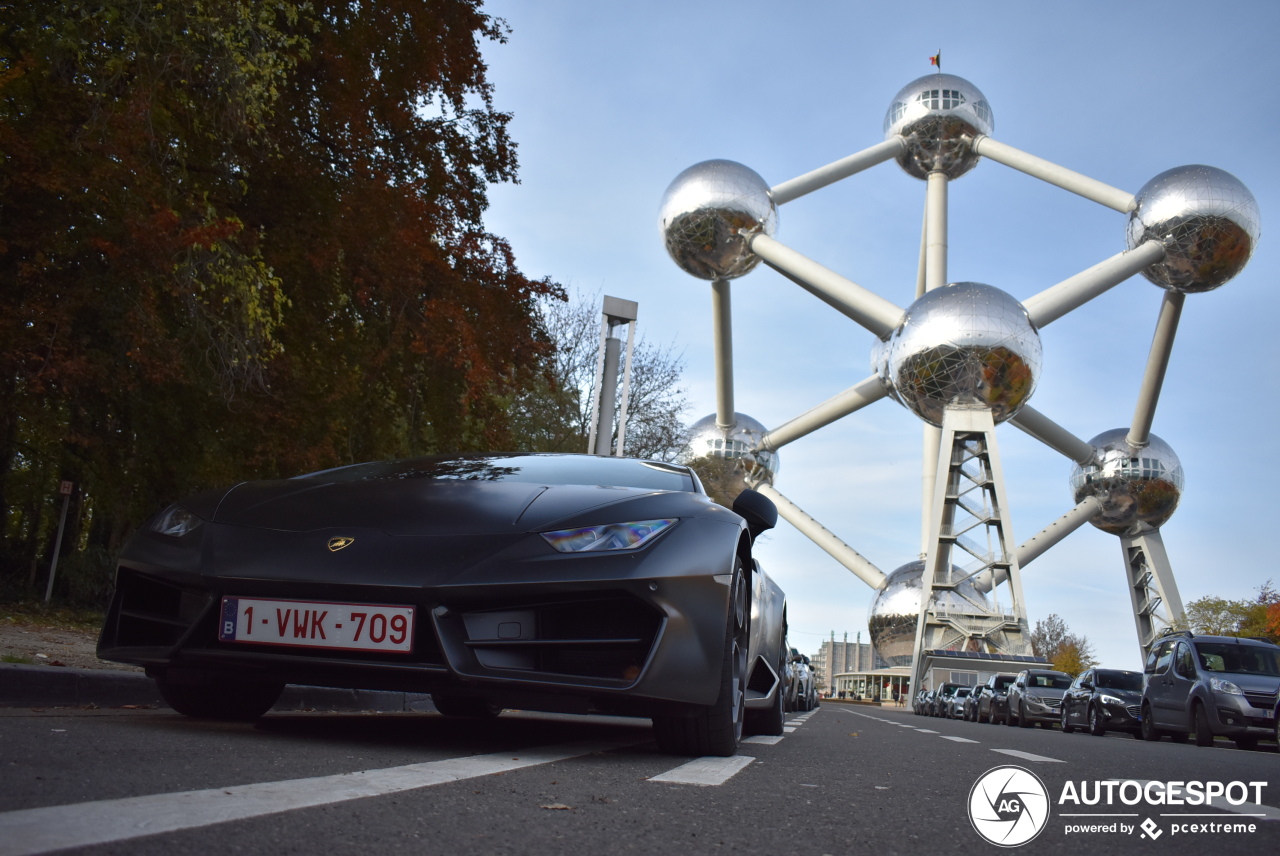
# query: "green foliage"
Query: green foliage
{"points": [[1219, 616], [242, 239]]}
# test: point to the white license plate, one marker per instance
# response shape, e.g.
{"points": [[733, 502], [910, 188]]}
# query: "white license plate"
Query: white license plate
{"points": [[317, 624]]}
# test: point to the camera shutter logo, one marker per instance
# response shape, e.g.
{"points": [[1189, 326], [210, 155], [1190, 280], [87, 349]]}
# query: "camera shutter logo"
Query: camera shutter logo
{"points": [[1009, 806]]}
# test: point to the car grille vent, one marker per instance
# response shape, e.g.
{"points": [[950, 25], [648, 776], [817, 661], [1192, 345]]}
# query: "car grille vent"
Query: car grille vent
{"points": [[152, 612], [1134, 710], [603, 639], [1265, 701]]}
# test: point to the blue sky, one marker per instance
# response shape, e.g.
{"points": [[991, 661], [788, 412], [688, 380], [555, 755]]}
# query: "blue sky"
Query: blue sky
{"points": [[613, 100]]}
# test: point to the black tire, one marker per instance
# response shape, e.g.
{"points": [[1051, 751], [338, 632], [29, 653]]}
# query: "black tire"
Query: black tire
{"points": [[1023, 722], [464, 706], [213, 695], [717, 728], [1008, 715], [1203, 731], [1067, 727], [1097, 727], [1149, 730]]}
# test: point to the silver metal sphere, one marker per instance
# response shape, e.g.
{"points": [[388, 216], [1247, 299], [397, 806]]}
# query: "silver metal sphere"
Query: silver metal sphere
{"points": [[939, 115], [1139, 488], [1207, 220], [708, 211], [964, 344], [895, 611], [880, 350], [729, 454]]}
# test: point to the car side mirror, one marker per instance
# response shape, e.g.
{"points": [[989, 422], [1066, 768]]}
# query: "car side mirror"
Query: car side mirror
{"points": [[757, 509], [1086, 685]]}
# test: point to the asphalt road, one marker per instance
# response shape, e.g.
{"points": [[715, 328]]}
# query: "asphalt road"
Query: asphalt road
{"points": [[845, 780]]}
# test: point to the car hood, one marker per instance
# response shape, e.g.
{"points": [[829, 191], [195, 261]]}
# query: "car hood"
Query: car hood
{"points": [[407, 506]]}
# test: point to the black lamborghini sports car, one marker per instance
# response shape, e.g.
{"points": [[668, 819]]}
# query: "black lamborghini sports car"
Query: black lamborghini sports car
{"points": [[569, 583]]}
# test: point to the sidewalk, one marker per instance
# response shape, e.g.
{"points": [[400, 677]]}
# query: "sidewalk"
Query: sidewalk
{"points": [[46, 686]]}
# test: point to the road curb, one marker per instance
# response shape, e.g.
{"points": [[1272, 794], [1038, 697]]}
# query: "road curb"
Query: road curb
{"points": [[48, 686]]}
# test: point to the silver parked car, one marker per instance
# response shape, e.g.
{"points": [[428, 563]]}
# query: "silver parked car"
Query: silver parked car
{"points": [[1036, 696], [1211, 686]]}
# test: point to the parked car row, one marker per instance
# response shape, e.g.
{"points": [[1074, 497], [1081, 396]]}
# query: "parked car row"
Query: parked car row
{"points": [[1191, 686], [801, 683]]}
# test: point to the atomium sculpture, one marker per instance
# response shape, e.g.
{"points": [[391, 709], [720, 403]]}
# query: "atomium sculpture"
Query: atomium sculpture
{"points": [[965, 357]]}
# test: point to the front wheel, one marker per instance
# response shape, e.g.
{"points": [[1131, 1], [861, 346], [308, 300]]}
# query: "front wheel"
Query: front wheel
{"points": [[1149, 731], [213, 695], [1097, 727], [1203, 732], [1067, 727], [717, 728], [1023, 722]]}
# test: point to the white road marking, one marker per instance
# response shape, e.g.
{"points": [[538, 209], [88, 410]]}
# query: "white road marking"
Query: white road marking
{"points": [[959, 739], [766, 739], [1027, 756], [925, 731], [39, 830], [709, 771], [787, 729]]}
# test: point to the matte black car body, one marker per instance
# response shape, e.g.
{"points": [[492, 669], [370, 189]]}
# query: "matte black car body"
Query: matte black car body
{"points": [[991, 704], [502, 617], [1036, 696], [1102, 700], [1211, 686]]}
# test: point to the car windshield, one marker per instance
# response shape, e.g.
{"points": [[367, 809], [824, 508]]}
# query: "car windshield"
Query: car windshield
{"points": [[1118, 681], [962, 692], [1240, 659], [536, 469], [1053, 682], [1003, 683]]}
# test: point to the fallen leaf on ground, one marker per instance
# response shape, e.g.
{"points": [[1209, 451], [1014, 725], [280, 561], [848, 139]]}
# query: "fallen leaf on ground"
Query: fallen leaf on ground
{"points": [[556, 807]]}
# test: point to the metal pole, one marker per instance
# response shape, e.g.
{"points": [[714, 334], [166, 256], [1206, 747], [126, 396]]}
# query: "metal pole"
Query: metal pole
{"points": [[1053, 435], [833, 172], [596, 403], [57, 547], [626, 388], [935, 276], [870, 310], [936, 227], [850, 558], [608, 393], [1056, 301], [1082, 185], [722, 318], [852, 399], [1157, 363]]}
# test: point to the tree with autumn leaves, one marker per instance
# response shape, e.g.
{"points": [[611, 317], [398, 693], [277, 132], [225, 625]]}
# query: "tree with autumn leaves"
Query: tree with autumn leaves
{"points": [[1066, 651], [1258, 617], [243, 239]]}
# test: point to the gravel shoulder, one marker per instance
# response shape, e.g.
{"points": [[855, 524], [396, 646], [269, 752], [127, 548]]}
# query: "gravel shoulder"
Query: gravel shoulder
{"points": [[35, 644]]}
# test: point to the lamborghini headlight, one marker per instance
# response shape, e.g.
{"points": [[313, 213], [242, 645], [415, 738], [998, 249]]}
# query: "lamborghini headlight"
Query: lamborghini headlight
{"points": [[610, 536], [175, 521]]}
